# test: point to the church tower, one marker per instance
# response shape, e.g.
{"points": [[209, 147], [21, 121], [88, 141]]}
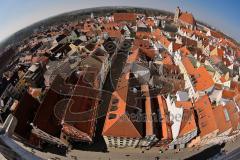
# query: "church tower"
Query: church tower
{"points": [[177, 14], [92, 16]]}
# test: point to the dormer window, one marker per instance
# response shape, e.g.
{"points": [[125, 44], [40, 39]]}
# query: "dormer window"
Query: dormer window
{"points": [[112, 116], [113, 108], [114, 101]]}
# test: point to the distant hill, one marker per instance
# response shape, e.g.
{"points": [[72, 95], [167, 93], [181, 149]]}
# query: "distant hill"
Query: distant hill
{"points": [[24, 33]]}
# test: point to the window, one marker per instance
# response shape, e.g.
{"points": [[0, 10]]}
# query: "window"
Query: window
{"points": [[112, 116], [113, 108]]}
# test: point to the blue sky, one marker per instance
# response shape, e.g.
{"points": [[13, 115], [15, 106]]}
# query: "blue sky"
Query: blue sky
{"points": [[17, 14]]}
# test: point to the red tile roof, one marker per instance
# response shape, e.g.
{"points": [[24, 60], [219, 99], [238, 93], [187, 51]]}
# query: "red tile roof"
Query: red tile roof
{"points": [[176, 46], [167, 60], [237, 99], [185, 51], [25, 112], [150, 22], [124, 17], [151, 53], [148, 110], [233, 114], [41, 59], [222, 79], [188, 31], [206, 119], [35, 92], [215, 34], [189, 42], [218, 86], [45, 118], [164, 41], [134, 56], [201, 34], [216, 59], [187, 18], [188, 65], [220, 52], [81, 118], [75, 134], [142, 35], [228, 94], [238, 54], [143, 43], [165, 120], [117, 120], [113, 29], [203, 78], [188, 123], [184, 104], [156, 33], [235, 86], [220, 118]]}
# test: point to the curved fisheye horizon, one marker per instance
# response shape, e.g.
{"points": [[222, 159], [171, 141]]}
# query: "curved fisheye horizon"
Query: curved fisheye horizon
{"points": [[222, 16], [105, 80]]}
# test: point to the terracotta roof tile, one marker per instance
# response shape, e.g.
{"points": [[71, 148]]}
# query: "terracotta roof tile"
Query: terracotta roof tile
{"points": [[237, 99], [25, 112], [188, 65], [222, 79], [218, 86], [165, 120], [206, 119], [148, 110], [233, 114], [216, 59], [143, 35], [235, 85], [184, 104], [187, 18], [114, 34], [156, 33], [228, 94], [184, 51], [81, 118], [134, 56], [188, 123], [41, 59], [215, 34], [116, 119], [45, 118], [164, 41], [203, 78], [151, 53], [143, 43], [150, 22], [176, 46], [124, 17], [238, 54], [167, 60], [189, 31], [222, 120]]}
